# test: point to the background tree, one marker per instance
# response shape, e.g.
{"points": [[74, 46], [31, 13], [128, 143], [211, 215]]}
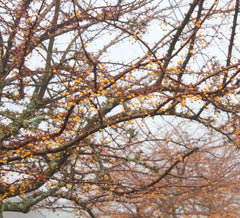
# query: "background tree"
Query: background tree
{"points": [[120, 108]]}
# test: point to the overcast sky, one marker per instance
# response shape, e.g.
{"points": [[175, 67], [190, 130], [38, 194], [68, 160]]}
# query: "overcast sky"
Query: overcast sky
{"points": [[36, 214]]}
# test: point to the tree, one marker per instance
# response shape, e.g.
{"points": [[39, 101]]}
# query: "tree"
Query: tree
{"points": [[120, 108]]}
